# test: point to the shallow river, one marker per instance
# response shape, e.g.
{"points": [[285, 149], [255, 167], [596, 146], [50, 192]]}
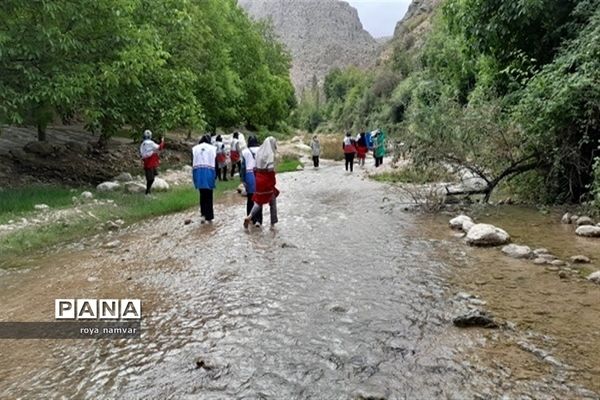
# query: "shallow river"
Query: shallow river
{"points": [[351, 297]]}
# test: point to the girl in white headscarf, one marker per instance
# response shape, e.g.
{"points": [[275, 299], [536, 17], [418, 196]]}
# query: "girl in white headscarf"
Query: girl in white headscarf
{"points": [[266, 192]]}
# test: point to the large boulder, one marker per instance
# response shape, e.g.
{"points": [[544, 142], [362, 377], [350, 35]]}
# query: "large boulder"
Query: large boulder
{"points": [[135, 187], [160, 185], [467, 225], [487, 235], [588, 231], [108, 186], [517, 251], [123, 177], [581, 221], [457, 222], [594, 277]]}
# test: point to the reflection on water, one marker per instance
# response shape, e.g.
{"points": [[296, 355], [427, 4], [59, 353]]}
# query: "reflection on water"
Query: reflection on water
{"points": [[348, 298]]}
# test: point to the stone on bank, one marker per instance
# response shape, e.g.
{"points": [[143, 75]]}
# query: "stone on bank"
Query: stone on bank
{"points": [[487, 235]]}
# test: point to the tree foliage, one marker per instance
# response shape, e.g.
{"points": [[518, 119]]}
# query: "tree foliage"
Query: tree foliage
{"points": [[140, 63]]}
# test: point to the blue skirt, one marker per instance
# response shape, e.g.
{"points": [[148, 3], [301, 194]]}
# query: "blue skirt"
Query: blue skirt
{"points": [[204, 178], [250, 182]]}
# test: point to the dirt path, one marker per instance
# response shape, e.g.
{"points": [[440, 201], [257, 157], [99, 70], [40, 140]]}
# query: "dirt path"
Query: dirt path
{"points": [[347, 299]]}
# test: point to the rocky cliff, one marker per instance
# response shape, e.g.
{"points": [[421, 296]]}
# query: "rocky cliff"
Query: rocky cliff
{"points": [[320, 35]]}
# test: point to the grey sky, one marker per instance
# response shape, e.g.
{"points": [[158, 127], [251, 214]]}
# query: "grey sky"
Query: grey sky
{"points": [[379, 17]]}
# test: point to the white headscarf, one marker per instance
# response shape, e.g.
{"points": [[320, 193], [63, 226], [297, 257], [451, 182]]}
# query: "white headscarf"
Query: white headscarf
{"points": [[265, 156]]}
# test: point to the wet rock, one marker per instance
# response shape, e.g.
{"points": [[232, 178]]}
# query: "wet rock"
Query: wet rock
{"points": [[41, 207], [540, 251], [563, 274], [540, 261], [477, 302], [464, 296], [457, 222], [580, 259], [285, 245], [205, 364], [123, 177], [475, 319], [112, 226], [368, 395], [112, 245], [557, 263], [187, 221], [135, 187], [588, 231], [548, 257], [486, 235], [108, 186], [517, 251], [594, 277], [574, 219], [582, 221], [566, 218], [160, 185]]}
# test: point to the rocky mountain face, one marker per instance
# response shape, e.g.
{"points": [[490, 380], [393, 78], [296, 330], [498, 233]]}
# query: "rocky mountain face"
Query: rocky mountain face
{"points": [[320, 35], [412, 28]]}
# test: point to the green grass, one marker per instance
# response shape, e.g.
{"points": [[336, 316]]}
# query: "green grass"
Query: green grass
{"points": [[288, 163], [416, 175], [19, 201], [130, 208]]}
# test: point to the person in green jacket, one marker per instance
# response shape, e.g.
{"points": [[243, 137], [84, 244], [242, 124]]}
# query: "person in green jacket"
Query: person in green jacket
{"points": [[379, 147]]}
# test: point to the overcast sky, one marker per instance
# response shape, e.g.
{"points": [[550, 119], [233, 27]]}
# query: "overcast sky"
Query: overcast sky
{"points": [[379, 17]]}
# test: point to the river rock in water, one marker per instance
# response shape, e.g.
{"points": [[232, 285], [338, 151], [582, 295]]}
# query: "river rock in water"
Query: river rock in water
{"points": [[487, 235], [581, 221], [517, 251], [594, 277], [566, 218], [580, 259], [588, 231], [108, 186], [458, 222], [479, 319]]}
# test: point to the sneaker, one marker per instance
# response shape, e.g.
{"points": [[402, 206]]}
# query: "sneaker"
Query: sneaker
{"points": [[202, 219], [247, 221]]}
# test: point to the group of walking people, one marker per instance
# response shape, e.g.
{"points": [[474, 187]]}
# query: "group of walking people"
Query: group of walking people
{"points": [[257, 172], [360, 146], [210, 158]]}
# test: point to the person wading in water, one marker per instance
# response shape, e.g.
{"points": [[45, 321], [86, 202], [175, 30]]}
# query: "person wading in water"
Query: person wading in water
{"points": [[248, 178], [204, 157], [149, 152], [266, 192]]}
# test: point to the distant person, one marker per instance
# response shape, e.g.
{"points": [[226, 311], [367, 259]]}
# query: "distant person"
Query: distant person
{"points": [[266, 192], [204, 159], [235, 153], [361, 149], [349, 147], [315, 147], [149, 151], [379, 147], [248, 166], [221, 159]]}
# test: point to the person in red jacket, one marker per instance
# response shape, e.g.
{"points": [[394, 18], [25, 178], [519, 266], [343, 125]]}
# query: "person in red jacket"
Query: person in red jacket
{"points": [[149, 151], [264, 173]]}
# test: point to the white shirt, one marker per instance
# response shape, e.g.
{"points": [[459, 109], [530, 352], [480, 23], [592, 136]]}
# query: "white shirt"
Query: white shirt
{"points": [[204, 155], [147, 148], [249, 155]]}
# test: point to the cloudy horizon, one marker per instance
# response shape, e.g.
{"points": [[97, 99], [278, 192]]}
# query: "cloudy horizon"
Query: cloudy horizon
{"points": [[379, 17]]}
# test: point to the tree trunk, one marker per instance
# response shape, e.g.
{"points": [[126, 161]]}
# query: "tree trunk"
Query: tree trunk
{"points": [[41, 131]]}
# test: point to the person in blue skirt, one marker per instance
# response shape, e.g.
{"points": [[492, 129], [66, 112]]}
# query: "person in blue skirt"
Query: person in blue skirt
{"points": [[204, 164]]}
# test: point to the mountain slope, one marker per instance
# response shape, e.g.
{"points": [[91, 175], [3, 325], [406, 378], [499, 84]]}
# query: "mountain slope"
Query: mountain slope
{"points": [[320, 35]]}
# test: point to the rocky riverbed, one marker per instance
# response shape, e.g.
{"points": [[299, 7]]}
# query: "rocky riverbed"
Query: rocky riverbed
{"points": [[351, 297]]}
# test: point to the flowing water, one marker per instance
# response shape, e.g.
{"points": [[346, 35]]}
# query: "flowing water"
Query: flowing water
{"points": [[351, 297]]}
